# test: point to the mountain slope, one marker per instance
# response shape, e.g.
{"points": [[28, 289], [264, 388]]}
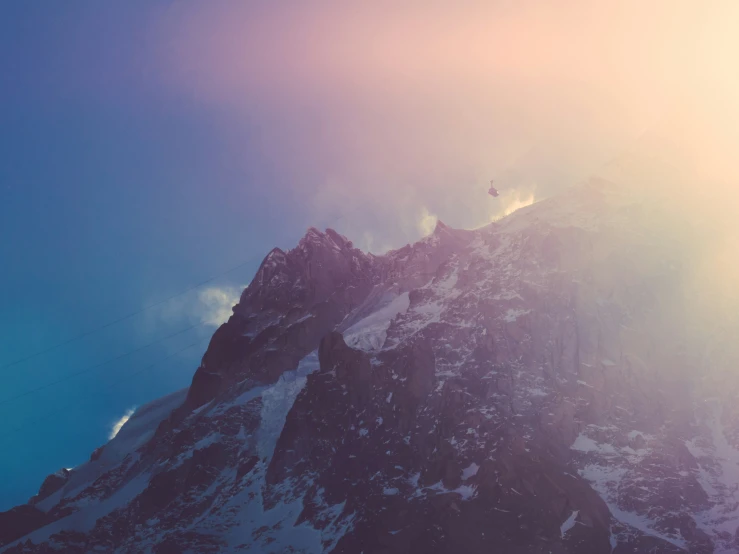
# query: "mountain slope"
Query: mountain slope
{"points": [[541, 385]]}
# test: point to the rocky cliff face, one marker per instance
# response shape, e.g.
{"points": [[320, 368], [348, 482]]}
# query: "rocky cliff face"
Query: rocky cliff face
{"points": [[541, 385]]}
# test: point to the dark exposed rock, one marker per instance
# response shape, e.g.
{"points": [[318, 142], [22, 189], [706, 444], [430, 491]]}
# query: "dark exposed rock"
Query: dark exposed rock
{"points": [[19, 521]]}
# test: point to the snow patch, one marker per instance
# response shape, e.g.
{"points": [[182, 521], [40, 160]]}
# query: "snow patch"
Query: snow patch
{"points": [[277, 401], [466, 491], [370, 333], [274, 530], [470, 471], [513, 314], [583, 443], [537, 392], [606, 481], [569, 523], [718, 475]]}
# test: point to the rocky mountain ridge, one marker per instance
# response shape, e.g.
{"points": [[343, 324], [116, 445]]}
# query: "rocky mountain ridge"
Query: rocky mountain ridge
{"points": [[540, 385]]}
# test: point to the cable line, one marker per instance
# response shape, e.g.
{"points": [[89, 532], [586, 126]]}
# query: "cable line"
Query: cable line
{"points": [[107, 389], [149, 306], [94, 367], [125, 317]]}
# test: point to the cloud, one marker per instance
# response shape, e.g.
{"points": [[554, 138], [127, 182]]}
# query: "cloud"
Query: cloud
{"points": [[368, 243], [515, 201], [426, 102], [422, 106], [211, 307], [216, 303], [120, 423], [427, 222]]}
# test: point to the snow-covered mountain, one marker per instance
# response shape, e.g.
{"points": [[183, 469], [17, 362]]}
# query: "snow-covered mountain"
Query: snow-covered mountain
{"points": [[541, 385]]}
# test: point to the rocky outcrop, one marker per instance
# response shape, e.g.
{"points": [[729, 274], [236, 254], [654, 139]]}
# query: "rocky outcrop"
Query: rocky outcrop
{"points": [[295, 298], [51, 484], [20, 521]]}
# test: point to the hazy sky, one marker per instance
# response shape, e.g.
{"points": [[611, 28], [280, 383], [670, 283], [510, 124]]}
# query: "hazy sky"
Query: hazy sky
{"points": [[146, 146]]}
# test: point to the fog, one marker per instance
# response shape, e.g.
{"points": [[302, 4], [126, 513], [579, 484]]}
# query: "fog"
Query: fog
{"points": [[393, 114]]}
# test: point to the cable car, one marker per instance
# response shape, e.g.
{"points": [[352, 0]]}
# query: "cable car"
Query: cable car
{"points": [[493, 191]]}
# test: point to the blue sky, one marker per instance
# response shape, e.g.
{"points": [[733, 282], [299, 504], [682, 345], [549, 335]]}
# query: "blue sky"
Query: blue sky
{"points": [[113, 196], [148, 146]]}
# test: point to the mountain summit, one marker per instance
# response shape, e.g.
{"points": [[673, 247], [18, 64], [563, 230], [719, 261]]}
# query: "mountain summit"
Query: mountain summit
{"points": [[541, 385]]}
